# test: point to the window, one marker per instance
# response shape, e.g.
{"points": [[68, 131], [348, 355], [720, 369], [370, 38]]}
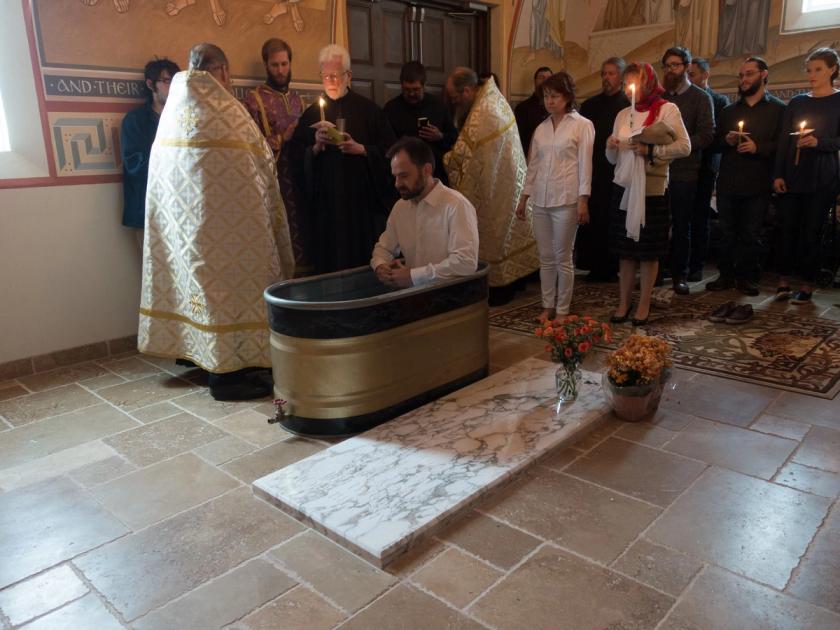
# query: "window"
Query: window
{"points": [[4, 132], [809, 6], [800, 16]]}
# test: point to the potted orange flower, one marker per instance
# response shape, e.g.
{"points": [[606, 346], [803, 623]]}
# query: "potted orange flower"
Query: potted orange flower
{"points": [[636, 374], [568, 340]]}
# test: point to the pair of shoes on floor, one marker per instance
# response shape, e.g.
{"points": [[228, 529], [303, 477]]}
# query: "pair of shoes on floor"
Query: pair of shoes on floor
{"points": [[801, 297], [680, 287], [746, 287], [782, 294], [620, 319], [695, 276], [732, 313], [723, 283], [243, 385], [640, 322]]}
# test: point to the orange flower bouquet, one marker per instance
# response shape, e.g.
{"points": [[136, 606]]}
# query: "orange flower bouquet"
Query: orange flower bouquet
{"points": [[568, 340], [636, 375]]}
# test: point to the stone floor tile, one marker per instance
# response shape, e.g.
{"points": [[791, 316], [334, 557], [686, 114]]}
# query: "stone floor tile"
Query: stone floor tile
{"points": [[742, 450], [820, 449], [719, 600], [221, 601], [813, 480], [154, 493], [670, 419], [610, 425], [491, 540], [646, 433], [555, 589], [39, 439], [155, 412], [249, 468], [782, 427], [131, 368], [810, 409], [150, 568], [415, 558], [48, 523], [55, 465], [575, 514], [163, 439], [203, 405], [252, 426], [12, 390], [101, 382], [817, 579], [169, 366], [733, 402], [25, 409], [335, 573], [730, 519], [87, 612], [643, 473], [406, 607], [560, 458], [299, 609], [456, 577], [146, 391], [102, 471], [41, 594], [224, 449], [62, 376], [662, 568]]}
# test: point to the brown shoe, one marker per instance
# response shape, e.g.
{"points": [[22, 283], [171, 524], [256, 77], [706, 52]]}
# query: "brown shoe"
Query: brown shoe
{"points": [[741, 315], [723, 311]]}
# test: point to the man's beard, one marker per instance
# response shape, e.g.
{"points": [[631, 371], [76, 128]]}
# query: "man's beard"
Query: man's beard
{"points": [[672, 81], [279, 86], [609, 89], [412, 193], [752, 89]]}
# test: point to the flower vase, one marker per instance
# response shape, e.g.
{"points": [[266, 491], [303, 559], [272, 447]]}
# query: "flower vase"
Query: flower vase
{"points": [[633, 403], [567, 380]]}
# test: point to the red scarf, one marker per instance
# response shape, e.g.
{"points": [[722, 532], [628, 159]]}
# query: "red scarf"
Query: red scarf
{"points": [[650, 92]]}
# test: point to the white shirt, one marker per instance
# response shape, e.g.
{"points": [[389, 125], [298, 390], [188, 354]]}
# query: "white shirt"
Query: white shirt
{"points": [[560, 161], [437, 235]]}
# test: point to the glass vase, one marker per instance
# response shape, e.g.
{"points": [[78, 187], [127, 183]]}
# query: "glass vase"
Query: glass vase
{"points": [[567, 380]]}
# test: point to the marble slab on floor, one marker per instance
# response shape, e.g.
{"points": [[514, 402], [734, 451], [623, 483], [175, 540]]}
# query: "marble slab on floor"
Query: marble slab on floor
{"points": [[380, 492]]}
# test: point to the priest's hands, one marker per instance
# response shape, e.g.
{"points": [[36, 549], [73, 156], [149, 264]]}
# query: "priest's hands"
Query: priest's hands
{"points": [[521, 207], [747, 145], [430, 133], [395, 275], [808, 141], [322, 139], [351, 147]]}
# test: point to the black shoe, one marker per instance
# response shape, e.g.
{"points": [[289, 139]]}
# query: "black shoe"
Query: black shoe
{"points": [[721, 284], [723, 311], [620, 319], [243, 390], [801, 297], [747, 288], [695, 276], [640, 322], [680, 287], [741, 314], [782, 294]]}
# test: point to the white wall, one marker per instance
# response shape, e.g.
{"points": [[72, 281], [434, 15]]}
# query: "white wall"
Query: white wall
{"points": [[69, 271]]}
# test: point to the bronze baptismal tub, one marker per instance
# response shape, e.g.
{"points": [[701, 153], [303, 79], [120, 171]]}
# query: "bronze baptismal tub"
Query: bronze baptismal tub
{"points": [[349, 353]]}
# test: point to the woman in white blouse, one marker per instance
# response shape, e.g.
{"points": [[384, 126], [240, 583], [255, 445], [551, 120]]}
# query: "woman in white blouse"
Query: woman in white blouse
{"points": [[558, 184]]}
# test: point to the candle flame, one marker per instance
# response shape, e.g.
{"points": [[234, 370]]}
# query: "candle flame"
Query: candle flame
{"points": [[802, 126], [632, 87], [741, 124], [321, 101]]}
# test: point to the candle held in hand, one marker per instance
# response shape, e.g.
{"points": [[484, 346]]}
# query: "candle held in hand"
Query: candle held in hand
{"points": [[321, 102], [801, 135], [632, 102], [740, 131]]}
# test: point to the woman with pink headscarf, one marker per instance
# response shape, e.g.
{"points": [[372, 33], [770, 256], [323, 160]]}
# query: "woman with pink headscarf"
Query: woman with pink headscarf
{"points": [[646, 138]]}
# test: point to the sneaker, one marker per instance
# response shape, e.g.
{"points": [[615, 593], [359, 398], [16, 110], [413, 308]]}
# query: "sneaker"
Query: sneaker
{"points": [[746, 287], [782, 294], [721, 284], [723, 311], [740, 315], [801, 297]]}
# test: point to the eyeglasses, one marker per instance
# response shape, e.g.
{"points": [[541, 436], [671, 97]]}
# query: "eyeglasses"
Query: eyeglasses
{"points": [[673, 65], [748, 75], [333, 78]]}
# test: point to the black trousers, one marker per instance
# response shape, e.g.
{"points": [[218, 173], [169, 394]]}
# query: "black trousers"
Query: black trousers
{"points": [[802, 218], [699, 220], [741, 219]]}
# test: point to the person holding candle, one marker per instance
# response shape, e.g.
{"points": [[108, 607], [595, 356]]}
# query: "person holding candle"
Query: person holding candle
{"points": [[347, 185], [746, 138], [639, 223], [592, 241], [558, 182], [808, 188]]}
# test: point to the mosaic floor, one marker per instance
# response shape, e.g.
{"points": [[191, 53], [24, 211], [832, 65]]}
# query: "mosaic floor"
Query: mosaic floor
{"points": [[126, 501]]}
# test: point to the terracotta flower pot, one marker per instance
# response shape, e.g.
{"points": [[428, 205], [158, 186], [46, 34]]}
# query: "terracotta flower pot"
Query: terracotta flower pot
{"points": [[634, 403]]}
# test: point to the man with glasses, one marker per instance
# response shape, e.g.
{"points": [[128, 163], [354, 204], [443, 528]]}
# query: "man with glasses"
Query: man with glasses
{"points": [[746, 176], [417, 113], [340, 164], [136, 137], [698, 74], [695, 107]]}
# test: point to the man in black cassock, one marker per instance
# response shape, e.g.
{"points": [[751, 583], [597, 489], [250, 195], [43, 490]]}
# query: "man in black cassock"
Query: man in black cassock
{"points": [[593, 239], [419, 114], [345, 176], [531, 112]]}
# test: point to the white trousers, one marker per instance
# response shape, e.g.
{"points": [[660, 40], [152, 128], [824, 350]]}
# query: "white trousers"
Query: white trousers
{"points": [[555, 230]]}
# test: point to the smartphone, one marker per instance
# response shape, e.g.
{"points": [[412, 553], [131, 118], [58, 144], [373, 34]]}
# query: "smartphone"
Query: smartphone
{"points": [[422, 122]]}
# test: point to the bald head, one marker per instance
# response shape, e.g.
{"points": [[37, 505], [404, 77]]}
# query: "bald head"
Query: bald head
{"points": [[461, 88], [212, 59]]}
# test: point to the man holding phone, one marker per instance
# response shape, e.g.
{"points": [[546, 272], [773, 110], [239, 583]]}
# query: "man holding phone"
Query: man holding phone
{"points": [[416, 113]]}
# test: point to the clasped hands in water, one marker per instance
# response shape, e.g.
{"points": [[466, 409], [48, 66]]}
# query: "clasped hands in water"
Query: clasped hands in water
{"points": [[395, 275], [639, 148]]}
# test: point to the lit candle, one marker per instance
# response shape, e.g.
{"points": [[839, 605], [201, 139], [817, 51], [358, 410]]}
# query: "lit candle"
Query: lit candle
{"points": [[632, 102], [321, 103], [802, 128], [740, 131], [801, 135]]}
